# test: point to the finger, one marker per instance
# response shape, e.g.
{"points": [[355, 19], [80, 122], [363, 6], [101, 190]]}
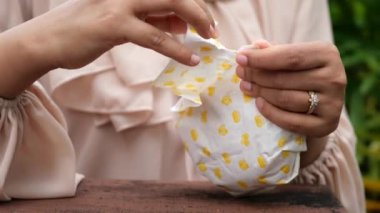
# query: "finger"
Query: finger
{"points": [[289, 56], [258, 44], [261, 44], [204, 7], [170, 23], [188, 10], [148, 36], [300, 80], [329, 105], [288, 100], [295, 122]]}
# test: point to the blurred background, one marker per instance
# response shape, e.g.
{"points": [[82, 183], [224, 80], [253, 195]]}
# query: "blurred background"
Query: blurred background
{"points": [[356, 26]]}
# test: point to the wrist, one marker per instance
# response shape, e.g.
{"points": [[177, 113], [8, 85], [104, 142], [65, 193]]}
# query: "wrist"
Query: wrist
{"points": [[315, 147], [23, 58], [39, 45]]}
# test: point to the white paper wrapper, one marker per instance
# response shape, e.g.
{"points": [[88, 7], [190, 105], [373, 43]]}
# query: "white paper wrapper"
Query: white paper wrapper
{"points": [[228, 139]]}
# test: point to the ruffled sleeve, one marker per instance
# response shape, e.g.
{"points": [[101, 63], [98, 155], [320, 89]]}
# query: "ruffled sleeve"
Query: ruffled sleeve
{"points": [[37, 159], [337, 168]]}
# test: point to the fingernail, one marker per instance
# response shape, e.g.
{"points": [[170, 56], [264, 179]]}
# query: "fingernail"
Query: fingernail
{"points": [[242, 60], [213, 32], [195, 60], [246, 85], [240, 72]]}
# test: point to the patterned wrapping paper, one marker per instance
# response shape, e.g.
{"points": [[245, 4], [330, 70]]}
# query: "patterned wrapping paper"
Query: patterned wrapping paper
{"points": [[228, 139]]}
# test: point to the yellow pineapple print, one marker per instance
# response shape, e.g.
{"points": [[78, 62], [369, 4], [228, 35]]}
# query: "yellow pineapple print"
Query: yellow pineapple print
{"points": [[243, 165], [190, 112], [207, 59], [259, 120], [247, 99], [223, 131], [193, 30], [261, 161], [191, 87], [226, 65], [205, 48], [218, 173], [202, 167], [235, 79], [200, 79], [226, 100], [236, 116], [245, 139], [204, 116], [242, 184], [226, 158], [206, 152], [300, 140], [285, 154], [211, 91], [281, 142], [285, 169], [169, 84], [194, 135], [182, 113], [263, 180], [169, 71]]}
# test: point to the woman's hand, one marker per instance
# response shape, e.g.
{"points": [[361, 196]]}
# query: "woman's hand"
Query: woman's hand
{"points": [[280, 77], [83, 30], [77, 32]]}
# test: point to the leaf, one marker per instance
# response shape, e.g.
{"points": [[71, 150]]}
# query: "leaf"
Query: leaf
{"points": [[356, 110], [359, 13], [368, 83]]}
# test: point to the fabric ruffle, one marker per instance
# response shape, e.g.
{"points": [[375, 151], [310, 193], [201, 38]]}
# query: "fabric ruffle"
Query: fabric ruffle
{"points": [[37, 157], [116, 88]]}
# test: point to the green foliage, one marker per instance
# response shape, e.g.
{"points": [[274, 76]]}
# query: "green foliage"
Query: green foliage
{"points": [[356, 25]]}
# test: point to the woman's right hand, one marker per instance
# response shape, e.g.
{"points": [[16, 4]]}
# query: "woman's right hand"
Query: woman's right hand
{"points": [[77, 32], [80, 31]]}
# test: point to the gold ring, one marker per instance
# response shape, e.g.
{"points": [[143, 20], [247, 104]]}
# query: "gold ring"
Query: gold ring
{"points": [[313, 100]]}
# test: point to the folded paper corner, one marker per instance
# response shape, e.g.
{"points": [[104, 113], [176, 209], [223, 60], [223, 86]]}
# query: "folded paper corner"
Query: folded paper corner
{"points": [[185, 103]]}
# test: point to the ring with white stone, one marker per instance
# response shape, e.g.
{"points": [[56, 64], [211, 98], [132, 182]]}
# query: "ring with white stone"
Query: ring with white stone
{"points": [[314, 101]]}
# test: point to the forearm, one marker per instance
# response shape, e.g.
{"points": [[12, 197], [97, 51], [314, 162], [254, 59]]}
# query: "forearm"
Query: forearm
{"points": [[24, 58]]}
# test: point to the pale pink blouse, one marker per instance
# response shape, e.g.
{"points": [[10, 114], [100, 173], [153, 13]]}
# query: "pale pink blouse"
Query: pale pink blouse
{"points": [[119, 126]]}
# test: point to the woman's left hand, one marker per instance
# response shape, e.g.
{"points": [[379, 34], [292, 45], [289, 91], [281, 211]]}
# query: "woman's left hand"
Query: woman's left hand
{"points": [[281, 76]]}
